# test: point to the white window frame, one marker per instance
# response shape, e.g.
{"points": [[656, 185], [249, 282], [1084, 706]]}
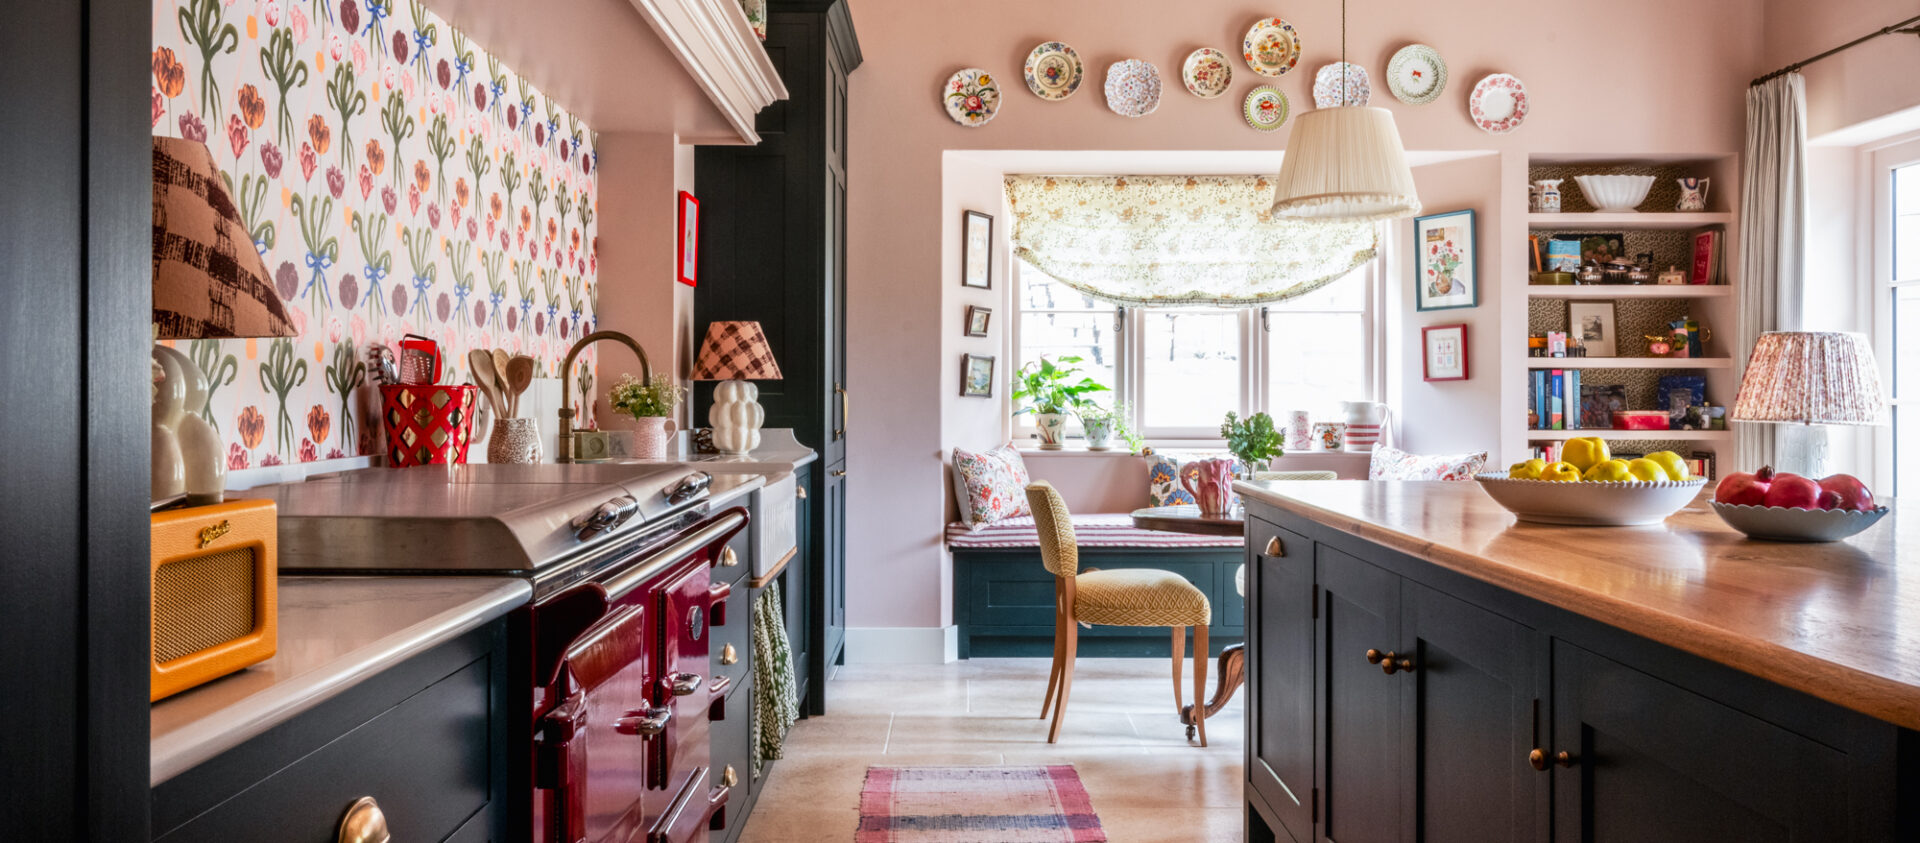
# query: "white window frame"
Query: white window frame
{"points": [[1881, 164]]}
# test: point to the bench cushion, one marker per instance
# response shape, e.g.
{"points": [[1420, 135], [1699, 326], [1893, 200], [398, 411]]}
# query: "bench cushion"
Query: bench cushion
{"points": [[1091, 530]]}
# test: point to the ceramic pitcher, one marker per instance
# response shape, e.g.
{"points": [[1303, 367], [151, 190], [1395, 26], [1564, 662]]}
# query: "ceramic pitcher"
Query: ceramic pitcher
{"points": [[1364, 421], [1211, 484], [651, 435], [1546, 196], [1693, 194]]}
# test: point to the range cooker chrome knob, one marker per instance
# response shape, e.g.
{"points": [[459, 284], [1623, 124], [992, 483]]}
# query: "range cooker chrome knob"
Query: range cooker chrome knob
{"points": [[683, 684], [644, 722], [606, 518]]}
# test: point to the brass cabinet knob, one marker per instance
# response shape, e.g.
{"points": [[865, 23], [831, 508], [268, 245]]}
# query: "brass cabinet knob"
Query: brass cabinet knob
{"points": [[1375, 656], [364, 823], [728, 655], [1537, 759], [729, 559], [1564, 758], [1389, 661], [728, 777], [838, 473], [1275, 549], [800, 492]]}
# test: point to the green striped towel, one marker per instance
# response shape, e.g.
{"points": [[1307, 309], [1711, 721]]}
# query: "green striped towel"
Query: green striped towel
{"points": [[775, 705]]}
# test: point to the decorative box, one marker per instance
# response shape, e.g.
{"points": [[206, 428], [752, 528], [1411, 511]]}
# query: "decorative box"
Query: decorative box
{"points": [[1640, 420]]}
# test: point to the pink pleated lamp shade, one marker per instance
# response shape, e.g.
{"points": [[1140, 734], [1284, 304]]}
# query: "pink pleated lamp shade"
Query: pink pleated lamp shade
{"points": [[1811, 377]]}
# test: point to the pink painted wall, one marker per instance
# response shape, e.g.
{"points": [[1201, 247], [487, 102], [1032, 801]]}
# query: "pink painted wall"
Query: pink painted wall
{"points": [[637, 251], [1586, 98], [1868, 81]]}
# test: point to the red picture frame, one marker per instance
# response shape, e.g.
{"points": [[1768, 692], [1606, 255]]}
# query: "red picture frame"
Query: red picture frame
{"points": [[1426, 354], [687, 253]]}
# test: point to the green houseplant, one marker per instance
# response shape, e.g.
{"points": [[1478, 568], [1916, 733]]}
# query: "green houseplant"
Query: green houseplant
{"points": [[1098, 424], [1050, 390], [1254, 441]]}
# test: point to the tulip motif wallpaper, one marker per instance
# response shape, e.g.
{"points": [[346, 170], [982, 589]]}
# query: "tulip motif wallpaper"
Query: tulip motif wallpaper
{"points": [[397, 180]]}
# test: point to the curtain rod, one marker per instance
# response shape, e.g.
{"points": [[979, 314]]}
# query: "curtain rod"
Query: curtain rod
{"points": [[1905, 27]]}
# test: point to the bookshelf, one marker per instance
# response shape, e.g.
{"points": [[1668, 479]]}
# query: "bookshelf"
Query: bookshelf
{"points": [[1630, 363], [1680, 291], [1716, 436]]}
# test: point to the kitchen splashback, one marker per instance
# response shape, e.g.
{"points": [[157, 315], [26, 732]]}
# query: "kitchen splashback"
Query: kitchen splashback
{"points": [[397, 179]]}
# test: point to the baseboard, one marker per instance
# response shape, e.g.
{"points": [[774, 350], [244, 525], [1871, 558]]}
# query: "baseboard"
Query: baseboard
{"points": [[903, 645]]}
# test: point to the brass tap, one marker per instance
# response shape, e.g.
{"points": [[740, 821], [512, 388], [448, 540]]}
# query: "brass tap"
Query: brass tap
{"points": [[564, 442]]}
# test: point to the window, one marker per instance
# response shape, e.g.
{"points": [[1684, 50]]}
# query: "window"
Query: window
{"points": [[1899, 297], [1179, 371]]}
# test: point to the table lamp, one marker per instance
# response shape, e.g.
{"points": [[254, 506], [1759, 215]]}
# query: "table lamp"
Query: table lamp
{"points": [[208, 282], [735, 352], [1811, 377]]}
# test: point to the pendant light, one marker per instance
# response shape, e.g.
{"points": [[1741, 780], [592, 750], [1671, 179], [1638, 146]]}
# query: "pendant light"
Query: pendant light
{"points": [[1345, 163]]}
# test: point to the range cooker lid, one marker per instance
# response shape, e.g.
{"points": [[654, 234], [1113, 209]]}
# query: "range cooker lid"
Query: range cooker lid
{"points": [[478, 518]]}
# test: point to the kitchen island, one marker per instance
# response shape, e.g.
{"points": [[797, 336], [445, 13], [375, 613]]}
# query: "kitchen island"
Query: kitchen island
{"points": [[1423, 667]]}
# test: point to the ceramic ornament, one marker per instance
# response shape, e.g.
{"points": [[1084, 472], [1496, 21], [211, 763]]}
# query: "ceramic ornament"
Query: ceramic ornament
{"points": [[1053, 71], [1416, 75], [1133, 88], [1206, 73], [1341, 83], [1265, 108], [971, 97], [1498, 103], [1272, 47]]}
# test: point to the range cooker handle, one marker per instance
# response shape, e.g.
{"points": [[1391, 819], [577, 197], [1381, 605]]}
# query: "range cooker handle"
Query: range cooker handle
{"points": [[717, 595], [606, 518], [644, 722], [689, 487], [717, 698], [683, 684], [717, 802]]}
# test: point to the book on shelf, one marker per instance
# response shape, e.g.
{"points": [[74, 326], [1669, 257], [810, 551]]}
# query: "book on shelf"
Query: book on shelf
{"points": [[1598, 402], [1556, 412], [1709, 247]]}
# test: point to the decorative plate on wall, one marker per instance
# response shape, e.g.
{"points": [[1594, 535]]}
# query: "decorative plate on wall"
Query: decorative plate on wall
{"points": [[1265, 108], [1341, 83], [1498, 104], [1272, 47], [1053, 71], [971, 97], [1133, 88], [1206, 73], [1416, 75]]}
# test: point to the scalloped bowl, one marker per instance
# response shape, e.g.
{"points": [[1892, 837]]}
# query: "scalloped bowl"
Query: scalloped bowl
{"points": [[1615, 193], [1780, 524], [1590, 504]]}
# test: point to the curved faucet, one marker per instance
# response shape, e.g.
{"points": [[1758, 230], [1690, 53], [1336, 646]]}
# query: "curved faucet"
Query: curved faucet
{"points": [[564, 444]]}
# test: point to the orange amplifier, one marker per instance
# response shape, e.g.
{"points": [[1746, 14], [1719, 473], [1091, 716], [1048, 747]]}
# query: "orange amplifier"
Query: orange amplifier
{"points": [[214, 577]]}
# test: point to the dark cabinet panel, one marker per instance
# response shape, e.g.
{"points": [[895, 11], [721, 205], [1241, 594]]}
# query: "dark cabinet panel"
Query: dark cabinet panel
{"points": [[831, 584], [1280, 672], [1360, 724], [796, 587]]}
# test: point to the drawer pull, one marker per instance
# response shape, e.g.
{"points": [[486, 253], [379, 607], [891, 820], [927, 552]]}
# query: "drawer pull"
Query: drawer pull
{"points": [[729, 778], [800, 492], [838, 472], [364, 823], [1275, 549], [729, 559], [728, 655], [644, 722]]}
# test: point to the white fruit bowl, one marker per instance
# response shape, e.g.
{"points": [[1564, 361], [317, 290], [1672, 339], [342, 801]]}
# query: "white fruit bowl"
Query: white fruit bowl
{"points": [[1590, 504], [1780, 524], [1615, 193]]}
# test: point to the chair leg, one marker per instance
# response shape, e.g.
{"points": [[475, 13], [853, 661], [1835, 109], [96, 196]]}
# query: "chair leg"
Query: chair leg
{"points": [[1067, 655], [1200, 681], [1179, 655], [1053, 675]]}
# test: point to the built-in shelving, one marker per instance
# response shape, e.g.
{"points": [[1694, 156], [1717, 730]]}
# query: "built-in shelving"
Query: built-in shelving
{"points": [[1626, 291], [1628, 220], [1660, 435], [1629, 362]]}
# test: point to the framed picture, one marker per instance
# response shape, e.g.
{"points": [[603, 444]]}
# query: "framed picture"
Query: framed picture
{"points": [[976, 250], [689, 266], [1591, 322], [1446, 275], [1443, 354], [976, 376], [978, 320]]}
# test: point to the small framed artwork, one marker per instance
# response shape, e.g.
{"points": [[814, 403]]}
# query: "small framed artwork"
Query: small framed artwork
{"points": [[688, 268], [976, 250], [1444, 352], [978, 320], [976, 376], [1446, 275], [1592, 323]]}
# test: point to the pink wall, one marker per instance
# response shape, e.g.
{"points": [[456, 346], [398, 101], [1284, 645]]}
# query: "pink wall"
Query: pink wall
{"points": [[1586, 98], [639, 296], [1868, 81]]}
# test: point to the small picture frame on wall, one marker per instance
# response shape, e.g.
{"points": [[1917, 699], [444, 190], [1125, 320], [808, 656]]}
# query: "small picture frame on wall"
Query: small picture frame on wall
{"points": [[1592, 322], [1443, 355], [976, 376], [1446, 276], [688, 267], [978, 320], [976, 250]]}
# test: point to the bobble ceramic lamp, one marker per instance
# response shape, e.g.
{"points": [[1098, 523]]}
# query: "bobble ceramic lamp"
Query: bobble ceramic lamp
{"points": [[735, 353]]}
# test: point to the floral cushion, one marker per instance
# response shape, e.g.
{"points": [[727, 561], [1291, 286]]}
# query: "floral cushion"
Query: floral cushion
{"points": [[990, 485], [1163, 477], [1395, 464]]}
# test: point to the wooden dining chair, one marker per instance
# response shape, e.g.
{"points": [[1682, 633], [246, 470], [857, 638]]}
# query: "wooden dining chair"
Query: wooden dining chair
{"points": [[1125, 597]]}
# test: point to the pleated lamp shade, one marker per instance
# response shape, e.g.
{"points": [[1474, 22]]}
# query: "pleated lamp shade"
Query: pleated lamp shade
{"points": [[1811, 377], [1345, 163]]}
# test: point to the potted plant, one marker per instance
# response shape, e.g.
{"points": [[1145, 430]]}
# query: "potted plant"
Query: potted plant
{"points": [[1051, 391], [1098, 424], [650, 403], [1254, 441]]}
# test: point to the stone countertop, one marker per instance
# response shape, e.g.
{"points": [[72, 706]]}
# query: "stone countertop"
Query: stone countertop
{"points": [[334, 632], [1836, 621], [779, 453]]}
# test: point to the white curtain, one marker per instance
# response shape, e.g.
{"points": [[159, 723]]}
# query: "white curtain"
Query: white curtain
{"points": [[1773, 233], [1177, 240]]}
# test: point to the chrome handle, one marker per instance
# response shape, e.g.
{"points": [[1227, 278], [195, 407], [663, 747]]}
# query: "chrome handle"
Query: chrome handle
{"points": [[644, 722], [364, 823], [840, 432], [683, 684], [606, 518], [729, 559], [728, 655], [689, 487], [1275, 549]]}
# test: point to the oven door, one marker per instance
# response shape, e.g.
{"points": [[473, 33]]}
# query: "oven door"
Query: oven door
{"points": [[594, 746]]}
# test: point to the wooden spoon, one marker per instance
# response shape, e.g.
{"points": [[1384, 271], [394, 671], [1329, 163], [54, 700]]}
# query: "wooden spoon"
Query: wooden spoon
{"points": [[500, 374], [482, 364], [519, 377]]}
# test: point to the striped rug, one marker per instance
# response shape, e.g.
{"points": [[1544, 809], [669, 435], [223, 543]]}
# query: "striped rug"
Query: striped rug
{"points": [[976, 805]]}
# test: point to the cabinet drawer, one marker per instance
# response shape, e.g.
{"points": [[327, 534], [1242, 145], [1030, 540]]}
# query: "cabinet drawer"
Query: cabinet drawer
{"points": [[734, 636], [732, 750]]}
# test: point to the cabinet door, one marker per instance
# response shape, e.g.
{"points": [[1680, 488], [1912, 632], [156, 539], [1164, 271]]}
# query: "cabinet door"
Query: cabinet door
{"points": [[833, 581], [1358, 716], [1474, 703], [1279, 618], [1651, 761], [796, 584]]}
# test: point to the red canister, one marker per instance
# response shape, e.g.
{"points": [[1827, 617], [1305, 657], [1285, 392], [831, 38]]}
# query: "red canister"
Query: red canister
{"points": [[426, 424]]}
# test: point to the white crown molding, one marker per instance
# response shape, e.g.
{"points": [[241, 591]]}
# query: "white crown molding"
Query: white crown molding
{"points": [[714, 42]]}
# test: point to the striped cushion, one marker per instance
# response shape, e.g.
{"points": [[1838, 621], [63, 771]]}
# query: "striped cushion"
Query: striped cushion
{"points": [[1099, 530]]}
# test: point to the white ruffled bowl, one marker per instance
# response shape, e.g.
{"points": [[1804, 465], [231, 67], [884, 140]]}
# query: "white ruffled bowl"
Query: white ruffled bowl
{"points": [[1615, 193], [1586, 504], [1780, 524]]}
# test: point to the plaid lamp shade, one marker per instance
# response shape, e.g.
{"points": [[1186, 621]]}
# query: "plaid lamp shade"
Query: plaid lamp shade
{"points": [[208, 278], [735, 350]]}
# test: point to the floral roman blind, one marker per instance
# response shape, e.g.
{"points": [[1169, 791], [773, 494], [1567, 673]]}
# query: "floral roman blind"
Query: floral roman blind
{"points": [[1177, 240]]}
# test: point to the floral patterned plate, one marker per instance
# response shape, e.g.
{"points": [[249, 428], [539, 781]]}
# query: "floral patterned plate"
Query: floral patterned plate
{"points": [[1416, 75], [1053, 71], [1341, 83], [1133, 88], [756, 16], [1498, 104], [1265, 109], [1272, 47], [971, 97], [1206, 73]]}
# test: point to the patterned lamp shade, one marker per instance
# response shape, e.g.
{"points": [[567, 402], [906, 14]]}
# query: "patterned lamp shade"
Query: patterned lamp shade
{"points": [[735, 350], [1811, 378], [208, 278]]}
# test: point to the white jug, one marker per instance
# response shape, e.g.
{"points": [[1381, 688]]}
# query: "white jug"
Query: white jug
{"points": [[1365, 421]]}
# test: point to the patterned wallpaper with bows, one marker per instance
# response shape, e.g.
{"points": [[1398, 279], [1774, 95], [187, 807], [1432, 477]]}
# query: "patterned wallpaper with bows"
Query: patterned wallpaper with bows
{"points": [[397, 179]]}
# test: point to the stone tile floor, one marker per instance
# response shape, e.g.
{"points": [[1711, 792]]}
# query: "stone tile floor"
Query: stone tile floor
{"points": [[1147, 782]]}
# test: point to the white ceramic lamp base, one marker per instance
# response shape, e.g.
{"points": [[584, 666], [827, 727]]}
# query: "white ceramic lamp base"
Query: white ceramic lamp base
{"points": [[187, 455], [736, 417]]}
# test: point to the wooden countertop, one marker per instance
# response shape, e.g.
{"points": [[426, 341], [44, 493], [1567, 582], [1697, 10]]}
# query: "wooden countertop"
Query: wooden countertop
{"points": [[1838, 621]]}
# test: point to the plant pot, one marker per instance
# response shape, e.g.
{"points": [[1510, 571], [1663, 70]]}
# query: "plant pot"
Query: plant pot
{"points": [[651, 436], [1099, 434], [1052, 428]]}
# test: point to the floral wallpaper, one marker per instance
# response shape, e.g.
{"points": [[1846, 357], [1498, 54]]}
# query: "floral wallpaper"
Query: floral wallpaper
{"points": [[397, 180]]}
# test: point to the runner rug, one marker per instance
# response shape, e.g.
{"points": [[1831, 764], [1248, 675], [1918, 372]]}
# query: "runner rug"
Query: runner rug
{"points": [[976, 805]]}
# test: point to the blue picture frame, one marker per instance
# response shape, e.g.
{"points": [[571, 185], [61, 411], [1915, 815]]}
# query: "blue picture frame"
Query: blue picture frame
{"points": [[1446, 267]]}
